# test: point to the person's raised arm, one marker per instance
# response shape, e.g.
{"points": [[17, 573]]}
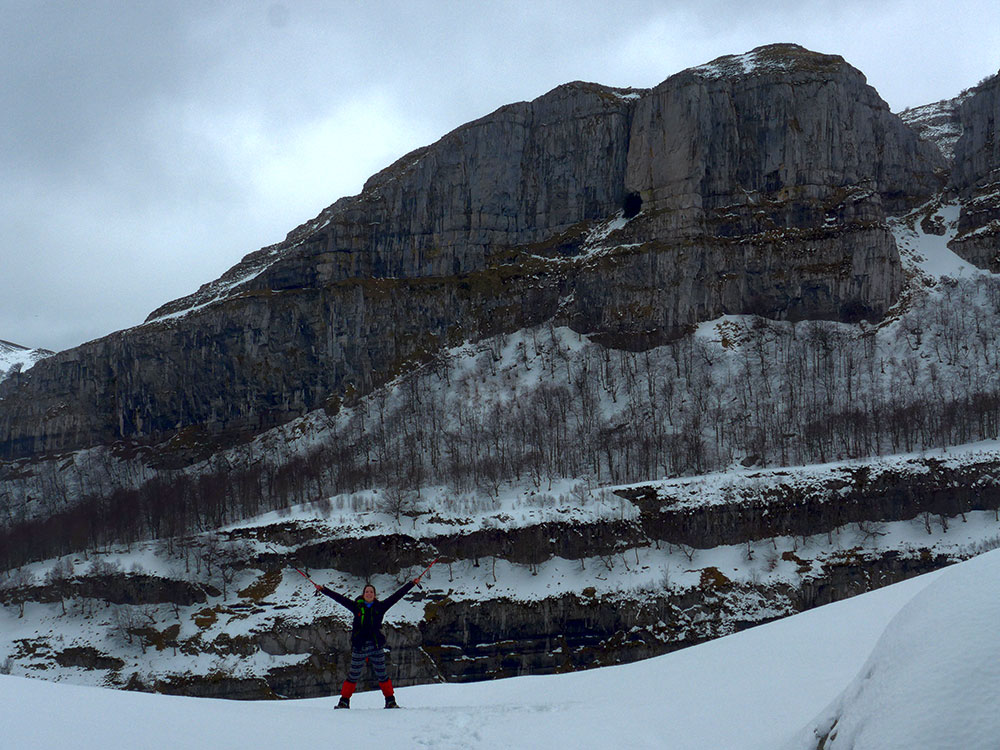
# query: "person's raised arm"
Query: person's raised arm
{"points": [[339, 598], [393, 598]]}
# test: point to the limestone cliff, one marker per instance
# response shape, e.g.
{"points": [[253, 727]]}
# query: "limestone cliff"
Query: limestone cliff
{"points": [[757, 183], [976, 177]]}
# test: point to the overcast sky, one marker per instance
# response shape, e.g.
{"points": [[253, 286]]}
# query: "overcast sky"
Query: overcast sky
{"points": [[147, 146]]}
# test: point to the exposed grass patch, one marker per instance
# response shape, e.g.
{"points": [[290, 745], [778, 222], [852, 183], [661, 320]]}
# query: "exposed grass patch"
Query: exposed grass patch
{"points": [[205, 618], [263, 587], [712, 577]]}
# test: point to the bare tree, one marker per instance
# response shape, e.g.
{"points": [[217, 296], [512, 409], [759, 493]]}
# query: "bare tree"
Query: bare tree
{"points": [[18, 582]]}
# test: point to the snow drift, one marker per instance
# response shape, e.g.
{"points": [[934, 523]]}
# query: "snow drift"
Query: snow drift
{"points": [[933, 679]]}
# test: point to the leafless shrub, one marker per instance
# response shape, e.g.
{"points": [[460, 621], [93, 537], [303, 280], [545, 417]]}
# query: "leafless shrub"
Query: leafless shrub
{"points": [[125, 619], [982, 546], [686, 549], [871, 531], [100, 566], [665, 575]]}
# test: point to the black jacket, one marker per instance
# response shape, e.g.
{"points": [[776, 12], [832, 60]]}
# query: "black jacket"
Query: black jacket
{"points": [[367, 626]]}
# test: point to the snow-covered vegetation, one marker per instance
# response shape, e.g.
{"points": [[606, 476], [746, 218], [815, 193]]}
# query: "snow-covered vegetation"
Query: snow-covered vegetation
{"points": [[76, 617]]}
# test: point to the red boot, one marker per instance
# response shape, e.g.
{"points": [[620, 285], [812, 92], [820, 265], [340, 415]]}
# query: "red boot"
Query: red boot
{"points": [[390, 699], [346, 691]]}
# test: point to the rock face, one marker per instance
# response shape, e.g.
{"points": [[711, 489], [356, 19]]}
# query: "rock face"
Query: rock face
{"points": [[757, 183], [976, 177], [781, 122]]}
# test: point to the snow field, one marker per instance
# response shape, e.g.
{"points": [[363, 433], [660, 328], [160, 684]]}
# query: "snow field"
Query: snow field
{"points": [[749, 691]]}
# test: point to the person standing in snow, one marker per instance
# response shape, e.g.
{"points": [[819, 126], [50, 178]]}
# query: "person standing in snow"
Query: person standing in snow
{"points": [[367, 639]]}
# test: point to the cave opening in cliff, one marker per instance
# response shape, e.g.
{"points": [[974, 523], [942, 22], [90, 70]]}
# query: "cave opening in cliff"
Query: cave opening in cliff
{"points": [[632, 205]]}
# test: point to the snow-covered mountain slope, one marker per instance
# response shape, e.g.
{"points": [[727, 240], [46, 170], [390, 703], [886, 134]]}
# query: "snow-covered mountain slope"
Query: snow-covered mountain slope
{"points": [[940, 348], [933, 678], [16, 357], [749, 691], [938, 122], [725, 394]]}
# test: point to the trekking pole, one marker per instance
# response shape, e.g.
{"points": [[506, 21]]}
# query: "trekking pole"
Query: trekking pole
{"points": [[417, 579], [319, 589], [305, 576]]}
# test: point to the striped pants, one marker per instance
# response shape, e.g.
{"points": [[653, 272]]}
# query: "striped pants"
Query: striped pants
{"points": [[375, 655], [371, 653]]}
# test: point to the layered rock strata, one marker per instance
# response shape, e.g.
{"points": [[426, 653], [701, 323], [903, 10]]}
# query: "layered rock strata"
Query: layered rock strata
{"points": [[463, 637]]}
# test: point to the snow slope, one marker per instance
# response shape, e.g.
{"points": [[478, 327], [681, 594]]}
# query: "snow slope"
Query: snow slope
{"points": [[927, 254], [748, 691]]}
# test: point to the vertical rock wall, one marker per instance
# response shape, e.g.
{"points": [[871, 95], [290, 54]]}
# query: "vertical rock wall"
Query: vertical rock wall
{"points": [[976, 177], [755, 184]]}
